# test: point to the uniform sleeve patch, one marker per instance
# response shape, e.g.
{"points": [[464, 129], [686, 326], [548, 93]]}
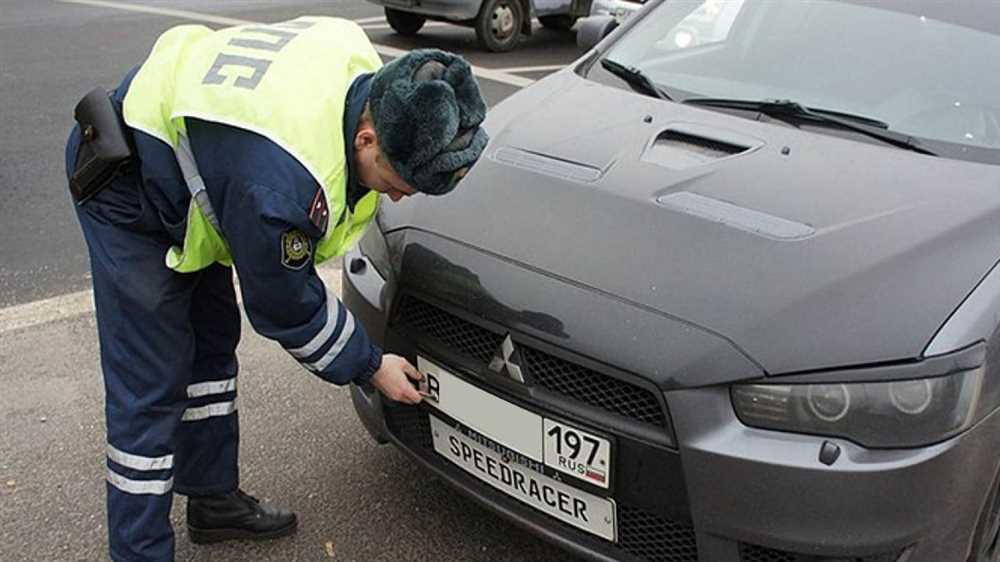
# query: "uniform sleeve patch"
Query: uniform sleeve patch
{"points": [[296, 249], [319, 214]]}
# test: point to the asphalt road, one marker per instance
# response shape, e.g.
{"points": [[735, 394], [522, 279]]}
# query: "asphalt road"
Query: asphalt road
{"points": [[52, 52], [302, 445]]}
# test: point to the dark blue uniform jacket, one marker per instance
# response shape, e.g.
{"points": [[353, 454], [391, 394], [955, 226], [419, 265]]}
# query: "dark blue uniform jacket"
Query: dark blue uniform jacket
{"points": [[260, 193]]}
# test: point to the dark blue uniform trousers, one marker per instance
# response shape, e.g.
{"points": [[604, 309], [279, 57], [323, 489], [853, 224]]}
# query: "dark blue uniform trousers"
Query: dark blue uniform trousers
{"points": [[168, 352]]}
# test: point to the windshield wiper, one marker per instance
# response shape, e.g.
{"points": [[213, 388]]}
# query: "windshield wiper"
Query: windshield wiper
{"points": [[788, 110], [635, 78]]}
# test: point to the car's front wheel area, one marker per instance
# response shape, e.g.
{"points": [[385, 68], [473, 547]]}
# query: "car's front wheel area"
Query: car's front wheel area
{"points": [[499, 23], [404, 23]]}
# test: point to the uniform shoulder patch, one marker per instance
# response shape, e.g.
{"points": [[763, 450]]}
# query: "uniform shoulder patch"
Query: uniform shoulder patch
{"points": [[319, 213], [296, 249]]}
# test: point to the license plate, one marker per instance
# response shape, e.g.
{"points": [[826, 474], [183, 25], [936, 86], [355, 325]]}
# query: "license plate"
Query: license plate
{"points": [[578, 453], [580, 509], [561, 446]]}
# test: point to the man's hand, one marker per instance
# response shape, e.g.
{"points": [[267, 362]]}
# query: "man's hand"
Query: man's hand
{"points": [[393, 379]]}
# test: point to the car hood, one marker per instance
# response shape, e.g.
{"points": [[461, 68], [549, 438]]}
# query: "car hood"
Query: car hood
{"points": [[804, 250]]}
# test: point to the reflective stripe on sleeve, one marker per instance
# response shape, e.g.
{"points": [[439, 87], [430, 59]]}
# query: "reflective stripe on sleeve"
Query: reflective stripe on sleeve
{"points": [[155, 487], [139, 462], [209, 411], [211, 387], [331, 355], [332, 315]]}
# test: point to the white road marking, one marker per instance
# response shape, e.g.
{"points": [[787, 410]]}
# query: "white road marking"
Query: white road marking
{"points": [[381, 26], [47, 310], [487, 73], [540, 68], [196, 16], [373, 19], [80, 303]]}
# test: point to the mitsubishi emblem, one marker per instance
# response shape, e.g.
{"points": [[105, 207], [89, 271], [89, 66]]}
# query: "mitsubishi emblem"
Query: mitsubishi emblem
{"points": [[504, 359]]}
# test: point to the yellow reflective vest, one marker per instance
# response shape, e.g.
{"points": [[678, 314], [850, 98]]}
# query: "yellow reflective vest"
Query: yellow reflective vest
{"points": [[287, 82]]}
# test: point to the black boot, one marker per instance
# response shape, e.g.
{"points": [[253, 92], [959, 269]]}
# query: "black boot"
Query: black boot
{"points": [[236, 515]]}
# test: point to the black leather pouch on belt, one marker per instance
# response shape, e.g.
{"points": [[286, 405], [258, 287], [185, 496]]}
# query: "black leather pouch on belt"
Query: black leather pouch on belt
{"points": [[105, 146]]}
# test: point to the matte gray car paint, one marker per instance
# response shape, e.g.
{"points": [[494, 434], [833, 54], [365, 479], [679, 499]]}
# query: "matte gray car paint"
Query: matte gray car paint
{"points": [[900, 242], [766, 487], [759, 486], [973, 321], [900, 238], [665, 350], [754, 222]]}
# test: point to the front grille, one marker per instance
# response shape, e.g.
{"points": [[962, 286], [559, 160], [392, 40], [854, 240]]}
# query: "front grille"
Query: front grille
{"points": [[642, 534], [552, 373], [651, 537], [593, 388], [411, 425], [452, 331], [754, 553]]}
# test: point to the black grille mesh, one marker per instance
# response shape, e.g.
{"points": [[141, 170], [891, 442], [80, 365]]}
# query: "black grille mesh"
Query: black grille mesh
{"points": [[653, 538], [593, 388], [457, 334], [754, 553], [642, 534], [549, 372], [411, 425]]}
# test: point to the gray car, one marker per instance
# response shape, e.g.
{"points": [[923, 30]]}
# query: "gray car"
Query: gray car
{"points": [[724, 289], [499, 24]]}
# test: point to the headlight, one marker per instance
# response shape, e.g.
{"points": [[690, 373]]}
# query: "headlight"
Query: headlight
{"points": [[907, 413]]}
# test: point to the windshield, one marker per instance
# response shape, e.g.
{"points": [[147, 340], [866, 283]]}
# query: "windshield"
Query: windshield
{"points": [[927, 68]]}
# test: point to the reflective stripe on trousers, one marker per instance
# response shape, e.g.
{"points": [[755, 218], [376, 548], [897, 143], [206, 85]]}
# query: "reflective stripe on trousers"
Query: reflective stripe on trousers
{"points": [[168, 344]]}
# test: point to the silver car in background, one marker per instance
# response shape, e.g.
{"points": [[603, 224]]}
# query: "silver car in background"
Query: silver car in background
{"points": [[499, 24]]}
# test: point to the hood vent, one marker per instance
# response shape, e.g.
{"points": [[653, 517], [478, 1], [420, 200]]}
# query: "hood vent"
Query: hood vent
{"points": [[688, 146], [735, 216], [548, 165]]}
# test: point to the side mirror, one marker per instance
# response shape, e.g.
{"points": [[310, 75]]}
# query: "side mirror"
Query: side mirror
{"points": [[592, 29]]}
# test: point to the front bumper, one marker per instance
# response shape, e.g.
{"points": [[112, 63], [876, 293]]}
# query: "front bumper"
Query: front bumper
{"points": [[757, 487], [719, 491]]}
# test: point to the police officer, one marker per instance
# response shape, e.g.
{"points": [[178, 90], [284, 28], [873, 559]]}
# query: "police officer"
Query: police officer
{"points": [[264, 147]]}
